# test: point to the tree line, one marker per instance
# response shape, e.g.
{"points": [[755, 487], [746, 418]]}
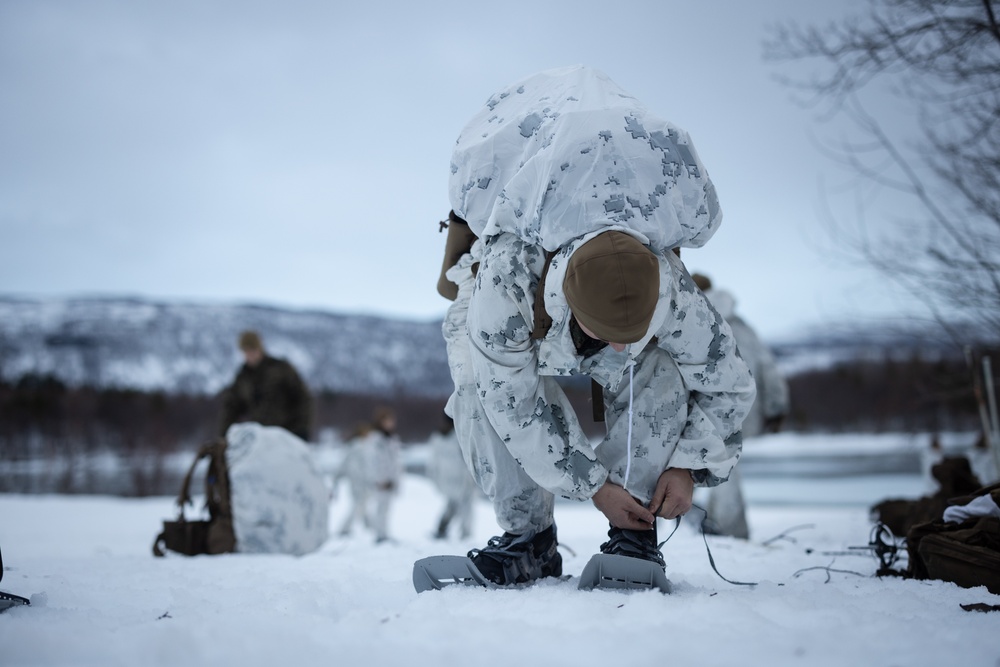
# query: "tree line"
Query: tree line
{"points": [[41, 416]]}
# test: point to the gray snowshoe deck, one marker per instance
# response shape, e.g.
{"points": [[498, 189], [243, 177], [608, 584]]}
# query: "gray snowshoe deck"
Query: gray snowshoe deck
{"points": [[8, 600], [603, 571], [435, 572], [623, 572]]}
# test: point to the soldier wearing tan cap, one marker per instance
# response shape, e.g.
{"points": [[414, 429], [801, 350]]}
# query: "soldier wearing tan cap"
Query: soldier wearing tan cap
{"points": [[266, 390], [577, 199]]}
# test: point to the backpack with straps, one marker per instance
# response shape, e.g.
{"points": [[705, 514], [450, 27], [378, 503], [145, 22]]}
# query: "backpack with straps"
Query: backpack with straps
{"points": [[214, 535], [264, 494], [963, 549]]}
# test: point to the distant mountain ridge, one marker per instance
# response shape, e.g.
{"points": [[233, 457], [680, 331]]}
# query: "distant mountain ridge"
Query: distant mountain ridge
{"points": [[191, 348], [150, 345]]}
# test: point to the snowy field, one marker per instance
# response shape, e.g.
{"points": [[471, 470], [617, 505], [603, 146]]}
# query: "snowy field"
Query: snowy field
{"points": [[100, 598]]}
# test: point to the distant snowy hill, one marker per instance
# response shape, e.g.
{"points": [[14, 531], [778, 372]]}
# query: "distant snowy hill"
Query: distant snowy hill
{"points": [[174, 347], [147, 345]]}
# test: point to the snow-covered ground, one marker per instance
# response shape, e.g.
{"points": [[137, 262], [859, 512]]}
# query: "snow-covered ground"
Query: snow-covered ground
{"points": [[100, 598]]}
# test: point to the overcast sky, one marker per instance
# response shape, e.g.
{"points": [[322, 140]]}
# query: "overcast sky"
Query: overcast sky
{"points": [[296, 153]]}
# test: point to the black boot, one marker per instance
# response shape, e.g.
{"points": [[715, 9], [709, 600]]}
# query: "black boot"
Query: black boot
{"points": [[634, 543], [509, 559]]}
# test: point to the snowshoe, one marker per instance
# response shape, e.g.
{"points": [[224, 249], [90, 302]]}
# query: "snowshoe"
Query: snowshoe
{"points": [[630, 560], [8, 600], [435, 572], [622, 572], [507, 560]]}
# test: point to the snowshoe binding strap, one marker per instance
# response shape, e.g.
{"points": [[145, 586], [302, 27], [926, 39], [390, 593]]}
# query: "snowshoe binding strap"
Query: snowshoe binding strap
{"points": [[634, 544], [711, 559], [508, 559]]}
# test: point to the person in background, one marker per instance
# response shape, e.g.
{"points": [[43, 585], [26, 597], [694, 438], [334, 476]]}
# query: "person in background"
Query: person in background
{"points": [[354, 468], [726, 510], [266, 390], [385, 469], [450, 474]]}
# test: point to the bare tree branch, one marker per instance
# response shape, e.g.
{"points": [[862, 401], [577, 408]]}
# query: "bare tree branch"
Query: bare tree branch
{"points": [[942, 60]]}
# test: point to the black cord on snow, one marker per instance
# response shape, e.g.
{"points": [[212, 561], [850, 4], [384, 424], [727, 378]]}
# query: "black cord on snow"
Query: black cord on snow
{"points": [[882, 544], [711, 561], [704, 537]]}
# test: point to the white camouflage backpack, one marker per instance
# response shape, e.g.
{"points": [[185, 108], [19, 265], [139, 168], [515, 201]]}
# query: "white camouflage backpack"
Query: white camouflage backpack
{"points": [[264, 494], [567, 152]]}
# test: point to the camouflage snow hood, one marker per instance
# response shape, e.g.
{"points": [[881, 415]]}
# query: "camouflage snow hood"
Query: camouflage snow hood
{"points": [[522, 162]]}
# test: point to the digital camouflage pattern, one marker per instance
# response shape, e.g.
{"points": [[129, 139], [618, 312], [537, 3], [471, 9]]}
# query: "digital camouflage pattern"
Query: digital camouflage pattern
{"points": [[690, 389], [550, 163], [567, 152]]}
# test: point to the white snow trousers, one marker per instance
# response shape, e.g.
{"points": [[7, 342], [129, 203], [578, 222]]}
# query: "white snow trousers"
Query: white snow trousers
{"points": [[726, 510]]}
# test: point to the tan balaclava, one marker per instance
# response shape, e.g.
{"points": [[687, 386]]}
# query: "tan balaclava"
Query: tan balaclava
{"points": [[612, 285]]}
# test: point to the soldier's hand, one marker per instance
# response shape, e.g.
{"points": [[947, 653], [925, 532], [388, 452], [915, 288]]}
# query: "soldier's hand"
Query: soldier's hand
{"points": [[674, 491], [621, 509]]}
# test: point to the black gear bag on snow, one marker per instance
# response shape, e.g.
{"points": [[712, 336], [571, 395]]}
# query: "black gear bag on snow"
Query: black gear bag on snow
{"points": [[964, 552], [214, 535]]}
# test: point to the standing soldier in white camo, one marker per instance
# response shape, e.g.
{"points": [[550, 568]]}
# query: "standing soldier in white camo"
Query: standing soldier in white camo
{"points": [[385, 469], [451, 476], [354, 468], [726, 508]]}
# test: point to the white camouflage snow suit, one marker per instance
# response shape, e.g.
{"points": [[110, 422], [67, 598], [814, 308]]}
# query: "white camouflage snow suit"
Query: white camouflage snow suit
{"points": [[548, 164], [726, 506], [450, 475]]}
